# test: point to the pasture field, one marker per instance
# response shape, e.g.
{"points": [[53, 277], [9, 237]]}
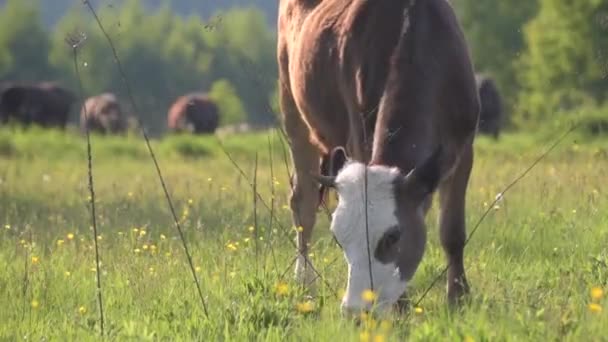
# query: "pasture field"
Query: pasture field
{"points": [[538, 265]]}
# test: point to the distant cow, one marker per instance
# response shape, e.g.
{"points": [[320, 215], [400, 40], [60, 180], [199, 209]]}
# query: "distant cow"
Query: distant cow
{"points": [[194, 113], [46, 103], [491, 115], [103, 115]]}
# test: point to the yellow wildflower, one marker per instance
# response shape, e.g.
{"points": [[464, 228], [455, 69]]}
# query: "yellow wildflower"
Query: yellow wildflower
{"points": [[35, 260], [209, 179], [82, 310], [67, 273], [144, 247], [136, 250], [468, 339], [418, 310], [153, 248], [135, 230], [231, 246], [368, 296], [190, 201], [163, 237], [595, 308], [282, 289], [70, 236], [99, 237], [379, 338], [305, 307], [142, 232], [35, 304], [197, 268], [7, 226], [597, 293], [365, 336], [60, 242], [130, 194], [251, 228]]}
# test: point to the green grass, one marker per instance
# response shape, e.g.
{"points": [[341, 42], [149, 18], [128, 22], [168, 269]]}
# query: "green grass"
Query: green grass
{"points": [[531, 264]]}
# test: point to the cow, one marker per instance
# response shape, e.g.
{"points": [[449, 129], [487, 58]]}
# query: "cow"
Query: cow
{"points": [[103, 114], [193, 113], [47, 104], [384, 92], [491, 115]]}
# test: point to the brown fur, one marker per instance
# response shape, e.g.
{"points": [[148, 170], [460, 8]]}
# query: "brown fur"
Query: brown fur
{"points": [[103, 114], [194, 113], [47, 104], [350, 77]]}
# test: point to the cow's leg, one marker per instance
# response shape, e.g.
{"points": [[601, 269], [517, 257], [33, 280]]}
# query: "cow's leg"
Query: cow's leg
{"points": [[452, 195], [304, 198]]}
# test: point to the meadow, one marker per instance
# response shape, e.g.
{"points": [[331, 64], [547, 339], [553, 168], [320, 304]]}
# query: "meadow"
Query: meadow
{"points": [[537, 265]]}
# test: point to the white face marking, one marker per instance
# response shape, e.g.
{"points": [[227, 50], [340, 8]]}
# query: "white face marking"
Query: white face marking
{"points": [[349, 228]]}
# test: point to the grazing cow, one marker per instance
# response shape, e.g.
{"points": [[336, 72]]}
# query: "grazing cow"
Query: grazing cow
{"points": [[491, 115], [383, 91], [193, 113], [103, 115], [46, 103]]}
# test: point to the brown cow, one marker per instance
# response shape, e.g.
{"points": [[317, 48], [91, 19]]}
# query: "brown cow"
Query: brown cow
{"points": [[103, 114], [47, 104], [193, 113], [491, 115], [384, 90]]}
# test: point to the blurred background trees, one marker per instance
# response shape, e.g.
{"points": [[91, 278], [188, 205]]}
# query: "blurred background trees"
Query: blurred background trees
{"points": [[549, 57]]}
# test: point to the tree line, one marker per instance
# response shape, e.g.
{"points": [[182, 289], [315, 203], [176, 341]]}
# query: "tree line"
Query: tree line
{"points": [[548, 57]]}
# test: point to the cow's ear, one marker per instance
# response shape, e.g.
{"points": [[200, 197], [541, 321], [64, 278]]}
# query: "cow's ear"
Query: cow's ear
{"points": [[337, 160]]}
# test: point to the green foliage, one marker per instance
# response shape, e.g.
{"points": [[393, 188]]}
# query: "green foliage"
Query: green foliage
{"points": [[493, 31], [24, 44], [563, 68], [163, 55], [230, 106]]}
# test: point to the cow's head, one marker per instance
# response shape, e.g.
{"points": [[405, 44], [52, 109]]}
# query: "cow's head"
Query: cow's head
{"points": [[392, 223]]}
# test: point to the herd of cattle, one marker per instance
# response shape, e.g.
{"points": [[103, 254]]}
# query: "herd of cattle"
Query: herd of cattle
{"points": [[49, 104]]}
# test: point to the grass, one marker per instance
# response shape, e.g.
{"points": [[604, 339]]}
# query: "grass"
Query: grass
{"points": [[532, 264]]}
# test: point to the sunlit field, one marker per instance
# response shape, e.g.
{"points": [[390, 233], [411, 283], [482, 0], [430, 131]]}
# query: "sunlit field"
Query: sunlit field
{"points": [[537, 265]]}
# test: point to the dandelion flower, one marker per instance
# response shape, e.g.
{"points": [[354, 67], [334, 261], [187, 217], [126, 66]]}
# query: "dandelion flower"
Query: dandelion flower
{"points": [[35, 304], [151, 269], [595, 308], [99, 237], [368, 296], [135, 230], [231, 246], [70, 236], [468, 339], [197, 268], [232, 274], [597, 293], [305, 307], [246, 240], [142, 232], [190, 201], [136, 250], [144, 247], [35, 260], [82, 310], [379, 338], [282, 289], [299, 229], [418, 310], [163, 237], [153, 248], [60, 242], [209, 179], [251, 228], [7, 226], [365, 336], [67, 273]]}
